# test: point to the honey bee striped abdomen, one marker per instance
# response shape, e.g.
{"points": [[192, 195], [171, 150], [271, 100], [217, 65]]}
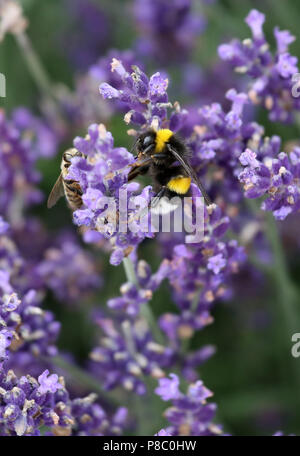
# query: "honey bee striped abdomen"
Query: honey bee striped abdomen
{"points": [[66, 187], [73, 194]]}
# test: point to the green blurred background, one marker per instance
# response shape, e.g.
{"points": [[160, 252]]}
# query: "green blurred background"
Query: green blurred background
{"points": [[253, 376]]}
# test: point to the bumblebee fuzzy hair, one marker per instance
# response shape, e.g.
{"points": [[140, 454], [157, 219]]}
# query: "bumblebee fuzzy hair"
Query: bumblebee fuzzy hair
{"points": [[164, 148]]}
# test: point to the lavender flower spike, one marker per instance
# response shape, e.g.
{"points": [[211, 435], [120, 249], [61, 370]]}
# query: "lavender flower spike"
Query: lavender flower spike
{"points": [[190, 414], [271, 75]]}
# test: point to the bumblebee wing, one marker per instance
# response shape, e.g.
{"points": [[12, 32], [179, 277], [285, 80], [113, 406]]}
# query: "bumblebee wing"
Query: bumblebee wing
{"points": [[189, 170], [56, 192]]}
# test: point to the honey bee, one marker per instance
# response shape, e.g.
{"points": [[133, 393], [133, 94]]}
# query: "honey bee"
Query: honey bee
{"points": [[66, 187]]}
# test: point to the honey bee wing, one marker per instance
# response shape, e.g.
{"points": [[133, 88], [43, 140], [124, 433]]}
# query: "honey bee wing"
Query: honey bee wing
{"points": [[189, 170], [56, 192]]}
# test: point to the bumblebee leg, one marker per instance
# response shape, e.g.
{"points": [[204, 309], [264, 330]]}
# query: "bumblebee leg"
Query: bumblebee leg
{"points": [[153, 203], [155, 200], [163, 203], [137, 171]]}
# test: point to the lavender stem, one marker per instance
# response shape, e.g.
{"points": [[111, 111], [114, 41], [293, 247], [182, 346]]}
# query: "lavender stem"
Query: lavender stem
{"points": [[146, 311], [34, 64], [83, 378]]}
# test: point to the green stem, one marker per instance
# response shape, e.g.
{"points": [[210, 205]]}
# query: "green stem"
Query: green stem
{"points": [[34, 65], [146, 415], [40, 76], [146, 311], [287, 292], [129, 271], [286, 295]]}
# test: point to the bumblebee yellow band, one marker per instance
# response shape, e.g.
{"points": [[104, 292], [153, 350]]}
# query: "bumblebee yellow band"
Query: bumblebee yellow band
{"points": [[179, 184], [162, 136]]}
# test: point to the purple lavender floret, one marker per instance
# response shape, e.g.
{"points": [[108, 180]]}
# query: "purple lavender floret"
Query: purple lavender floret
{"points": [[11, 265], [271, 75], [217, 137], [9, 319], [168, 34], [163, 433], [131, 299], [133, 296], [4, 226], [17, 172], [200, 274], [217, 131], [68, 270], [273, 176], [23, 140], [193, 359], [56, 263], [190, 414], [48, 383], [83, 106], [39, 137], [127, 352], [168, 388], [146, 98], [29, 327], [101, 72], [91, 419], [28, 405], [25, 326]]}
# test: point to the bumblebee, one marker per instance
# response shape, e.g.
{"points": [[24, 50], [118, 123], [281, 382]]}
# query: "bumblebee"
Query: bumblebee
{"points": [[66, 187], [157, 154]]}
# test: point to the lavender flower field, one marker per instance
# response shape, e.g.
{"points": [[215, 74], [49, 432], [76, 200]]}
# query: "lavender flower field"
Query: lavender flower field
{"points": [[138, 331]]}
